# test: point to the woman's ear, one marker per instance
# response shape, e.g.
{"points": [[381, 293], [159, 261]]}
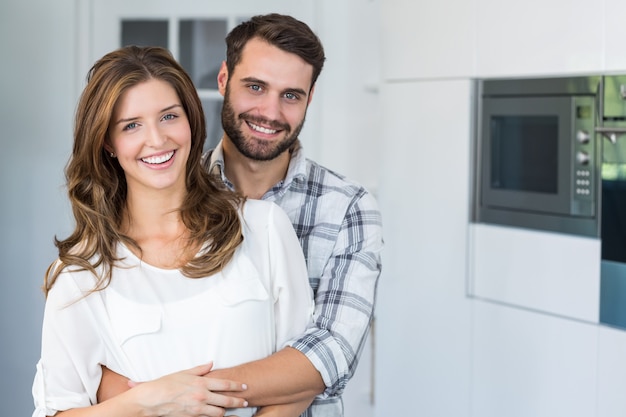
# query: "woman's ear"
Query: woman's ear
{"points": [[108, 148]]}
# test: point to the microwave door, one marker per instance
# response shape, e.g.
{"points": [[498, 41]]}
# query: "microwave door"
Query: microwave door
{"points": [[526, 153]]}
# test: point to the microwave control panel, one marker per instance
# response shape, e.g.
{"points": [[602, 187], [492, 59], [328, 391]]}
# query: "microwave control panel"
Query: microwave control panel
{"points": [[583, 164]]}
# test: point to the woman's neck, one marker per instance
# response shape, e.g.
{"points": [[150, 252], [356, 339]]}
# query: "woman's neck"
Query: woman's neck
{"points": [[153, 221]]}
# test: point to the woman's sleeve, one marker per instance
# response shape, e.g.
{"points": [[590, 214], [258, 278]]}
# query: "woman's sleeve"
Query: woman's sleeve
{"points": [[291, 291], [68, 372]]}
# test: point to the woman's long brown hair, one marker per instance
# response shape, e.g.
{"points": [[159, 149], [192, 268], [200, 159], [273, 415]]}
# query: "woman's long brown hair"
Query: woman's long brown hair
{"points": [[97, 185]]}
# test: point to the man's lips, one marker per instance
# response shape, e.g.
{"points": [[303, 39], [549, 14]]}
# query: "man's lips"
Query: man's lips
{"points": [[261, 129]]}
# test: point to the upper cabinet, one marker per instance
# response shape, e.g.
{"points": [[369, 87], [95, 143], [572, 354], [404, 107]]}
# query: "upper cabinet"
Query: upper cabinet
{"points": [[427, 39], [500, 38], [537, 37], [615, 33]]}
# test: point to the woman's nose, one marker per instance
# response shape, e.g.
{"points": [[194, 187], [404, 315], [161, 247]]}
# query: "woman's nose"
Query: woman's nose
{"points": [[155, 137]]}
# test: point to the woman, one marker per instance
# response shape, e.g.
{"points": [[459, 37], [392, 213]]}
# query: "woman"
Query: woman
{"points": [[165, 269]]}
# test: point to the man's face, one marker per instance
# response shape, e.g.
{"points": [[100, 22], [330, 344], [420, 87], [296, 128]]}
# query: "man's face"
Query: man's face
{"points": [[265, 100]]}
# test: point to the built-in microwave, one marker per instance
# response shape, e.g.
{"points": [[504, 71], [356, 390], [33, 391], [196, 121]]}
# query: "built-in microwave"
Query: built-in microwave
{"points": [[538, 153]]}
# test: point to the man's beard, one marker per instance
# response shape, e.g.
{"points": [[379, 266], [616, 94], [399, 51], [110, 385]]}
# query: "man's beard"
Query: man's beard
{"points": [[253, 148]]}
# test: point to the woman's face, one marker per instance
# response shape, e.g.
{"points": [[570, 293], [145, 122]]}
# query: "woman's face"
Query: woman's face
{"points": [[151, 137]]}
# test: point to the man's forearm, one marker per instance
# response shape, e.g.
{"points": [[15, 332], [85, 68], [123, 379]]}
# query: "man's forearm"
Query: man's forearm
{"points": [[287, 376], [111, 385], [284, 410]]}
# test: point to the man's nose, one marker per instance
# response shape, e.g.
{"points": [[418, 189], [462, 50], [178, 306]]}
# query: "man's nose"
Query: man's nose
{"points": [[270, 107]]}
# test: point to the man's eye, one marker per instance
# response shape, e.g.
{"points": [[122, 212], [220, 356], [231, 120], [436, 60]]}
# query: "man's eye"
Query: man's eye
{"points": [[255, 87], [291, 96]]}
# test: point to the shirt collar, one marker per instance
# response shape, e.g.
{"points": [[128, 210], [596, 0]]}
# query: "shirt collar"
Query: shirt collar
{"points": [[215, 159], [296, 173]]}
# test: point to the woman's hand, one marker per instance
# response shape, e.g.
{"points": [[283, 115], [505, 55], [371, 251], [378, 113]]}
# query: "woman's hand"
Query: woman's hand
{"points": [[188, 393]]}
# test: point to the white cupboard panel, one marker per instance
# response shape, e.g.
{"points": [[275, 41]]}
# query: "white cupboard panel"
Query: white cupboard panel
{"points": [[528, 364], [426, 39], [549, 272], [536, 37], [611, 372], [422, 330], [615, 33]]}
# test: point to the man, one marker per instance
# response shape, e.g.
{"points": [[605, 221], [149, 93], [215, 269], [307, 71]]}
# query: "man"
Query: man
{"points": [[267, 81]]}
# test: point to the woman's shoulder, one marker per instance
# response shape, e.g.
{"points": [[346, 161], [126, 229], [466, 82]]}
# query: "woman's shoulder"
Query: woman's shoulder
{"points": [[257, 209], [263, 214]]}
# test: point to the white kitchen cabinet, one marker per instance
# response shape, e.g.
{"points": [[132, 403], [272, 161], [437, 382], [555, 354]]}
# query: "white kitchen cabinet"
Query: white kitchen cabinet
{"points": [[423, 315], [554, 273], [427, 39], [538, 37], [530, 364], [611, 372], [614, 32]]}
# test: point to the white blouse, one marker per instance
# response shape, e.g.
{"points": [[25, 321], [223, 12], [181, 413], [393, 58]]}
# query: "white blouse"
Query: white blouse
{"points": [[150, 322]]}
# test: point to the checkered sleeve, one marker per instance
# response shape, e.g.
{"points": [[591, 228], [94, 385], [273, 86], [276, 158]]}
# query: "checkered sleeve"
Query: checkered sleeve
{"points": [[345, 297]]}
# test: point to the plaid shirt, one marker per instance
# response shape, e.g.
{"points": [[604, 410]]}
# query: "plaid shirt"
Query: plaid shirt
{"points": [[340, 230]]}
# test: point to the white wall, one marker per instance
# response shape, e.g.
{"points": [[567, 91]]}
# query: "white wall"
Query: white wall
{"points": [[36, 104], [464, 356]]}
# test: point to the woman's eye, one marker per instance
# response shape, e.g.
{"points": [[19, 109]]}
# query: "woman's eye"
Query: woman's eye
{"points": [[130, 126], [169, 116]]}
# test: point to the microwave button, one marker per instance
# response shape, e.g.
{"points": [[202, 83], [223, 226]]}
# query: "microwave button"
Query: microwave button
{"points": [[582, 158], [583, 136]]}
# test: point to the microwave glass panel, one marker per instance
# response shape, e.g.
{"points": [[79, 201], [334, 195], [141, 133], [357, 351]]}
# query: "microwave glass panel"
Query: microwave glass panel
{"points": [[524, 153]]}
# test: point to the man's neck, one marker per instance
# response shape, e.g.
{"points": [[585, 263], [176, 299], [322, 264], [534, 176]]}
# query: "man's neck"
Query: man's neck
{"points": [[253, 178]]}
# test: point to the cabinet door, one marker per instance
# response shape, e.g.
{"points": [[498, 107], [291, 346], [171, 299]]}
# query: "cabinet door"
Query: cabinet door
{"points": [[538, 37], [423, 316], [427, 39], [193, 30], [614, 32], [530, 364]]}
